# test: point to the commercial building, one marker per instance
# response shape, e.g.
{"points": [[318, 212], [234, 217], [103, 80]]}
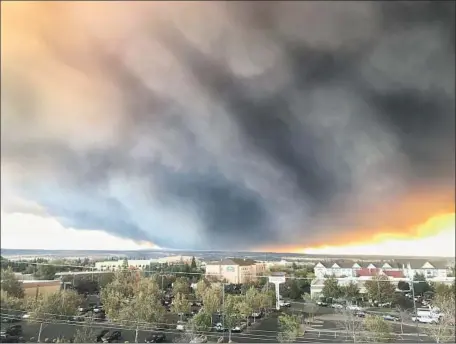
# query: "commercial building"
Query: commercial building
{"points": [[235, 270], [34, 287], [142, 264]]}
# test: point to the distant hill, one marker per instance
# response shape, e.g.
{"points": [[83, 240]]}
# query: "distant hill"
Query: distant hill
{"points": [[206, 255]]}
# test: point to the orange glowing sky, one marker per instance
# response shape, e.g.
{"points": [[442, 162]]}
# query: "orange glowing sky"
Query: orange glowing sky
{"points": [[435, 237]]}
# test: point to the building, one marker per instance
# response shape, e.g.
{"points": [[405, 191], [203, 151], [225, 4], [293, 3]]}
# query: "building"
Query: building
{"points": [[235, 270], [175, 260], [142, 264], [112, 265], [34, 288], [404, 269]]}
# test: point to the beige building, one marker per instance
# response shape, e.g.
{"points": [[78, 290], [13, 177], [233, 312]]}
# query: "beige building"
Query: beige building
{"points": [[34, 288], [235, 270]]}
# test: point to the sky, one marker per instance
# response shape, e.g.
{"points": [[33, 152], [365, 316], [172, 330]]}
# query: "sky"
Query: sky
{"points": [[292, 126]]}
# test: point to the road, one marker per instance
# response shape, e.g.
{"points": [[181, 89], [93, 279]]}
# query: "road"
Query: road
{"points": [[321, 329]]}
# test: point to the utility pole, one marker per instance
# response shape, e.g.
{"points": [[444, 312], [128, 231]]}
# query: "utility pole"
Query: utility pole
{"points": [[412, 287], [223, 310]]}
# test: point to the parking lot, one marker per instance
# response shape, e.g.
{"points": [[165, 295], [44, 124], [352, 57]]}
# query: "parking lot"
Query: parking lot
{"points": [[325, 326]]}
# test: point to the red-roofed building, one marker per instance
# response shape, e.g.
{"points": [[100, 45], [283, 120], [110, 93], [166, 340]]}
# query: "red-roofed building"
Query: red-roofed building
{"points": [[393, 273], [367, 272]]}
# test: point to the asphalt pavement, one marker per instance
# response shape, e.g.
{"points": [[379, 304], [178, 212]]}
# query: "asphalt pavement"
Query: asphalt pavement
{"points": [[325, 328]]}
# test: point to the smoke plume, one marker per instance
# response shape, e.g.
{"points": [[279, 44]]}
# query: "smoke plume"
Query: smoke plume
{"points": [[218, 125]]}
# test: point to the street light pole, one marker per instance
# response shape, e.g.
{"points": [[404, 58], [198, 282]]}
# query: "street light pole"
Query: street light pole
{"points": [[223, 310]]}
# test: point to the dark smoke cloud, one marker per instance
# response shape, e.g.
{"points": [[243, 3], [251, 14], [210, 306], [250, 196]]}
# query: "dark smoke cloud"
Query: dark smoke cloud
{"points": [[233, 124]]}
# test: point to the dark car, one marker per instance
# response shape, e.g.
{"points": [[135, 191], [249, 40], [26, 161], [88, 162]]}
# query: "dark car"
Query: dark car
{"points": [[15, 330], [9, 339], [100, 316], [8, 319], [110, 337], [155, 337], [101, 335]]}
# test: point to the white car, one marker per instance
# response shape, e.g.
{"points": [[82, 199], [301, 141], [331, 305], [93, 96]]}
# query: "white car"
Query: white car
{"points": [[199, 339], [180, 326], [26, 316], [425, 320], [354, 308], [284, 304], [337, 306], [239, 328]]}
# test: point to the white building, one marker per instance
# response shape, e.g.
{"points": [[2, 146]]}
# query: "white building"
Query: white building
{"points": [[112, 265], [142, 264], [397, 268]]}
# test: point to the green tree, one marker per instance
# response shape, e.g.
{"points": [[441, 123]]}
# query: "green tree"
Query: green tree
{"points": [[404, 286], [290, 328], [232, 315], [201, 288], [351, 324], [118, 293], [145, 305], [244, 309], [266, 299], [378, 329], [331, 288], [420, 284], [444, 300], [181, 286], [350, 291], [85, 333], [180, 304], [253, 299], [200, 323], [212, 300], [59, 305], [45, 272], [380, 288], [193, 264], [10, 305], [10, 284]]}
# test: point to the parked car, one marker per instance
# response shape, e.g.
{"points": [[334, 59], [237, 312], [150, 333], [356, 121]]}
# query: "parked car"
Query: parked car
{"points": [[8, 319], [180, 326], [199, 339], [354, 308], [390, 317], [425, 320], [337, 306], [14, 330], [219, 328], [98, 308], [386, 304], [360, 314], [9, 339], [111, 336], [100, 316], [100, 336], [239, 328], [256, 314], [284, 304], [83, 309], [322, 304], [155, 337]]}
